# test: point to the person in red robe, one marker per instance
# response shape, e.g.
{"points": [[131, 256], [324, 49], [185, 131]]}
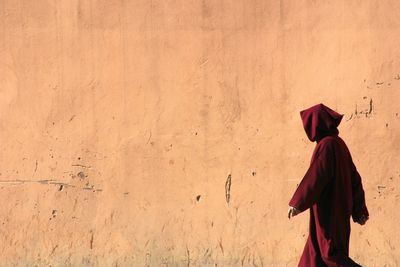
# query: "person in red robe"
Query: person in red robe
{"points": [[331, 189]]}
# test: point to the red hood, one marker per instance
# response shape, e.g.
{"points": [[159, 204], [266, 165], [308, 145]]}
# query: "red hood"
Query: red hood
{"points": [[320, 121]]}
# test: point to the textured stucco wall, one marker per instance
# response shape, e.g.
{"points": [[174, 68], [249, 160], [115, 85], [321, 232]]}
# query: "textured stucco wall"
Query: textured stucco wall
{"points": [[121, 121]]}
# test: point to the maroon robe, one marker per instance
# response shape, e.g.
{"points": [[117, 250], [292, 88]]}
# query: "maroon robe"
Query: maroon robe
{"points": [[332, 189]]}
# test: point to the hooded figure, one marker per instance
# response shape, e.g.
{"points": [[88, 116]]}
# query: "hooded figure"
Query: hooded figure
{"points": [[331, 189]]}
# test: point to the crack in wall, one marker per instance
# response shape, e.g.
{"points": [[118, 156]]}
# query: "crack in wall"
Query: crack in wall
{"points": [[228, 188]]}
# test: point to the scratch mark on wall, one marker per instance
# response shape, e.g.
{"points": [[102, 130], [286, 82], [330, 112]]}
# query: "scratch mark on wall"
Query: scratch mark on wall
{"points": [[367, 110], [82, 166], [351, 116], [228, 188], [91, 240], [36, 167], [18, 181], [243, 258], [220, 245], [61, 184], [148, 140], [188, 256], [49, 182], [204, 62], [53, 250], [205, 253], [370, 107]]}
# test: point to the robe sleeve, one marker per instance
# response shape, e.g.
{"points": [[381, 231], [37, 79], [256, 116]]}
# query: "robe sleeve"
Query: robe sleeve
{"points": [[359, 206], [318, 175]]}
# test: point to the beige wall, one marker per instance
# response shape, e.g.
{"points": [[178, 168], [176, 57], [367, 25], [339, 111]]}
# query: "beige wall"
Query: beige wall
{"points": [[116, 115]]}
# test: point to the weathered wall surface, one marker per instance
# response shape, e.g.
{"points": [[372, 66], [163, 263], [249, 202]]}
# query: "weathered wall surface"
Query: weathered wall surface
{"points": [[121, 121]]}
